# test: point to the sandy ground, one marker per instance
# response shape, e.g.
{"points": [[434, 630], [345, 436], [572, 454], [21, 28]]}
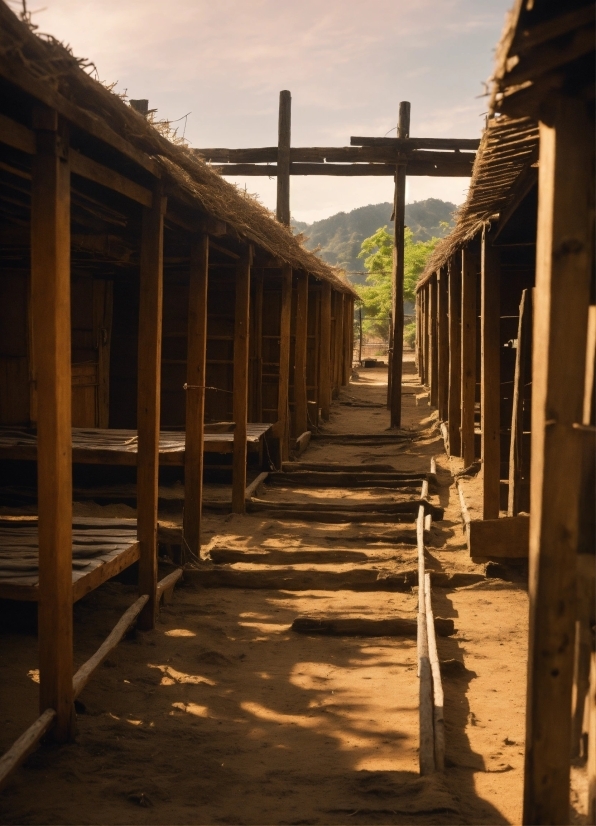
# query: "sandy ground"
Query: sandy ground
{"points": [[222, 714]]}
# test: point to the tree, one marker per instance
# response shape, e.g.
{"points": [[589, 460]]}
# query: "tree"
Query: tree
{"points": [[377, 251]]}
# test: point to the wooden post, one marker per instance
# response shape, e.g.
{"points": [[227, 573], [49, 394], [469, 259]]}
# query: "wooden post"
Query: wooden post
{"points": [[50, 313], [325, 351], [148, 399], [283, 409], [454, 397], [300, 354], [426, 332], [433, 341], [348, 324], [360, 335], [490, 384], [389, 361], [468, 355], [283, 158], [257, 346], [523, 366], [195, 392], [442, 343], [562, 294], [399, 215], [339, 341], [240, 399]]}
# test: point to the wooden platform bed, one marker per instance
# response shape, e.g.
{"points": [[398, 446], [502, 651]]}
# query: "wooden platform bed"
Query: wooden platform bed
{"points": [[101, 548], [101, 446]]}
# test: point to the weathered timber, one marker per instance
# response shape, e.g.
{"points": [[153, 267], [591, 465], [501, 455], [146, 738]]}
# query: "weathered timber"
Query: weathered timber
{"points": [[240, 398], [165, 586], [302, 442], [433, 341], [523, 367], [25, 744], [300, 467], [407, 143], [360, 627], [255, 484], [50, 303], [409, 506], [346, 479], [490, 384], [432, 628], [283, 406], [195, 391], [454, 393], [325, 352], [426, 751], [86, 671], [442, 343], [148, 400], [468, 355], [333, 154], [300, 355], [283, 158], [418, 168]]}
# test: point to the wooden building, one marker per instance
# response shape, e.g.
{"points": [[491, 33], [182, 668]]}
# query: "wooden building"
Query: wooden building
{"points": [[141, 296], [519, 271]]}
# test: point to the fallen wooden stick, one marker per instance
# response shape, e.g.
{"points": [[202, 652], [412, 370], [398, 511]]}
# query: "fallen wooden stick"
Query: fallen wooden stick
{"points": [[85, 672], [22, 747], [166, 585], [360, 627], [438, 697], [427, 744], [254, 485]]}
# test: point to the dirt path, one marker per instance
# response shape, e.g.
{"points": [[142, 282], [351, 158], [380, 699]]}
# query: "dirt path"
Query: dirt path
{"points": [[225, 715]]}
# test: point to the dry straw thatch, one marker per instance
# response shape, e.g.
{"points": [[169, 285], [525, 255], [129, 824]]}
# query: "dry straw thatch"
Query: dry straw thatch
{"points": [[50, 66]]}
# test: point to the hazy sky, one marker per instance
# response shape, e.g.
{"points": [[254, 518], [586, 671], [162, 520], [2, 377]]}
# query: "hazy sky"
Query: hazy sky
{"points": [[347, 63]]}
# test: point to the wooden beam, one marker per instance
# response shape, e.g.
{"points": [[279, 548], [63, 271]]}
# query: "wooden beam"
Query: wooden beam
{"points": [[283, 158], [333, 154], [523, 368], [564, 269], [442, 343], [300, 354], [416, 168], [195, 391], [405, 143], [148, 399], [50, 311], [397, 310], [240, 399], [16, 135], [454, 398], [468, 354], [325, 352], [283, 406], [490, 382], [22, 748]]}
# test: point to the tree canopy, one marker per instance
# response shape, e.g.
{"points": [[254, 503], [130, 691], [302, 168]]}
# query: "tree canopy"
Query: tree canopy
{"points": [[377, 251]]}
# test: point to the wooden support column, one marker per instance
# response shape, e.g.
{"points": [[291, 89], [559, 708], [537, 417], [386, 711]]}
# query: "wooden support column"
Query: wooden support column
{"points": [[454, 395], [50, 313], [490, 383], [325, 351], [422, 322], [240, 399], [468, 355], [195, 391], [433, 341], [283, 158], [523, 368], [300, 354], [564, 268], [339, 341], [283, 407], [148, 399], [346, 353], [442, 343], [399, 217], [257, 346]]}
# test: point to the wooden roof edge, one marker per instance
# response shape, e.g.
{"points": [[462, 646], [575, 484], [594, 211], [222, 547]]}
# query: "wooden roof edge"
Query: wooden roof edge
{"points": [[63, 85]]}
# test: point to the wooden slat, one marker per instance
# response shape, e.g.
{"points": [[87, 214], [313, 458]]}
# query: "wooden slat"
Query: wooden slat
{"points": [[523, 368], [433, 340], [148, 399], [283, 409], [325, 352], [16, 135], [468, 355], [442, 343], [195, 392], [240, 399], [454, 393], [300, 354], [407, 143], [103, 175], [490, 383], [50, 299], [564, 269], [457, 168]]}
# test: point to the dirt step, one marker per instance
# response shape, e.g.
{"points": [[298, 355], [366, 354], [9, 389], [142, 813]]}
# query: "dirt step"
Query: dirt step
{"points": [[290, 579], [221, 556], [361, 627], [291, 467], [340, 479], [353, 509]]}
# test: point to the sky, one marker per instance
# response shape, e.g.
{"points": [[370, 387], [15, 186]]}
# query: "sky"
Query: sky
{"points": [[347, 63]]}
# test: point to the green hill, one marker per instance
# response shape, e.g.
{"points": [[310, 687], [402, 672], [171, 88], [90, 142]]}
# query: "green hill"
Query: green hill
{"points": [[341, 235]]}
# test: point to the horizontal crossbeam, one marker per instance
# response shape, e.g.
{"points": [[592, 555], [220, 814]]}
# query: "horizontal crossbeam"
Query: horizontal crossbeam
{"points": [[332, 154], [460, 169], [407, 144]]}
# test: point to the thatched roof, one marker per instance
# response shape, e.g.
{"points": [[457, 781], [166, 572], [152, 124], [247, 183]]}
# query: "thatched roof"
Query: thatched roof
{"points": [[508, 146], [41, 63]]}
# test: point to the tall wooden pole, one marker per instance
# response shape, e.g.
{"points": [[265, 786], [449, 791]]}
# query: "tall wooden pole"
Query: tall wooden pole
{"points": [[195, 393], [443, 342], [325, 351], [399, 214], [283, 158], [283, 409], [564, 269], [360, 335], [300, 354], [454, 395], [50, 304], [468, 355], [433, 341], [490, 384], [240, 398], [148, 399]]}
